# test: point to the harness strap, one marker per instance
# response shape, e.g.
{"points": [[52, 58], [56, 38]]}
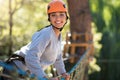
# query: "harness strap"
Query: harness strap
{"points": [[16, 57]]}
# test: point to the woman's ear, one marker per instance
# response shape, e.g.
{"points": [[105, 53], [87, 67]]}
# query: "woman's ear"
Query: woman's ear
{"points": [[67, 18], [48, 19]]}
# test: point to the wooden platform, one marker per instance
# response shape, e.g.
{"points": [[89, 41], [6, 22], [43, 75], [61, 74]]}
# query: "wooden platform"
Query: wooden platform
{"points": [[77, 40]]}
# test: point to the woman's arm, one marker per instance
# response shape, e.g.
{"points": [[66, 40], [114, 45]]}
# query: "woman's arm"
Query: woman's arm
{"points": [[34, 52]]}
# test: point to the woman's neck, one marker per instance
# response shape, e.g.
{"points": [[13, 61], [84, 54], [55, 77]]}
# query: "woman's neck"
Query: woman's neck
{"points": [[57, 31]]}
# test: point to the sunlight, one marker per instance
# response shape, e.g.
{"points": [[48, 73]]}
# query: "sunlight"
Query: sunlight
{"points": [[116, 3], [107, 15], [1, 1], [2, 4]]}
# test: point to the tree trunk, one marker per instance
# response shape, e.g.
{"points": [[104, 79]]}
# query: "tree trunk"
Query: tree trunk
{"points": [[80, 18], [10, 29], [11, 13], [80, 23]]}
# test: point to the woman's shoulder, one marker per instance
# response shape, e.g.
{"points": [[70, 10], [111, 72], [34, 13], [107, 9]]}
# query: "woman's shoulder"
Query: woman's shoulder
{"points": [[46, 31]]}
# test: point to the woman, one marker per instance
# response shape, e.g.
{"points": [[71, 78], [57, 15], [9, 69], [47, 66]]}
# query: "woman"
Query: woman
{"points": [[44, 49]]}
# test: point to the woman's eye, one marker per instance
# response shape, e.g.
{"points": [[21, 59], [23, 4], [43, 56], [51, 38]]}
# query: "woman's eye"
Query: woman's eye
{"points": [[58, 15], [53, 15], [62, 15]]}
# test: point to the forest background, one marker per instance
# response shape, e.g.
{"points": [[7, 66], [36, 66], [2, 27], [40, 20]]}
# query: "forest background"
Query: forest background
{"points": [[28, 16]]}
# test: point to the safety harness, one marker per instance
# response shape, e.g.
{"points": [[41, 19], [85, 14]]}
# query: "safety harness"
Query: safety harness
{"points": [[15, 57]]}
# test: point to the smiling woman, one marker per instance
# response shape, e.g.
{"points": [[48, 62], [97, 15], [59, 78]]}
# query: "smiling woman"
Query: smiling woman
{"points": [[58, 19], [44, 49]]}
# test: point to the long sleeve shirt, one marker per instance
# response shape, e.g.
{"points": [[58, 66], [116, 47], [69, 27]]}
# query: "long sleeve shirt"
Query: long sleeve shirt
{"points": [[44, 50]]}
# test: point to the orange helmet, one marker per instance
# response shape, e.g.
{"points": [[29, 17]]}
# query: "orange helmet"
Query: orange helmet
{"points": [[56, 6]]}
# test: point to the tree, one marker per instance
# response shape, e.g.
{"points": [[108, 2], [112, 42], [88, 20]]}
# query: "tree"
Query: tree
{"points": [[20, 17], [12, 11], [80, 21], [106, 18]]}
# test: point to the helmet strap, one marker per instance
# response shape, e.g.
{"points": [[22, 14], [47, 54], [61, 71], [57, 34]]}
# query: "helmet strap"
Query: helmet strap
{"points": [[57, 28], [60, 29]]}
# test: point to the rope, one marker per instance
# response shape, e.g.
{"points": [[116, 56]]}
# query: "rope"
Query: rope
{"points": [[76, 73], [80, 60], [78, 70]]}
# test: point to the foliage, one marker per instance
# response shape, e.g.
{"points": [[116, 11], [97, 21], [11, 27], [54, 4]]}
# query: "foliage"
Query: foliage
{"points": [[106, 17]]}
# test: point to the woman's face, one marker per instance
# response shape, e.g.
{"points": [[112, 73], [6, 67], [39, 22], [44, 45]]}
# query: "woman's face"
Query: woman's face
{"points": [[58, 19]]}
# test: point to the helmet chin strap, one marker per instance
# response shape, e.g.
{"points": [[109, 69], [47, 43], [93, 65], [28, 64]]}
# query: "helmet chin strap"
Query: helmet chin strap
{"points": [[60, 29]]}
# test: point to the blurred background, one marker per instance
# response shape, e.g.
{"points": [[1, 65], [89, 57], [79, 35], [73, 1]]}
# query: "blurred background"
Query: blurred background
{"points": [[19, 19]]}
